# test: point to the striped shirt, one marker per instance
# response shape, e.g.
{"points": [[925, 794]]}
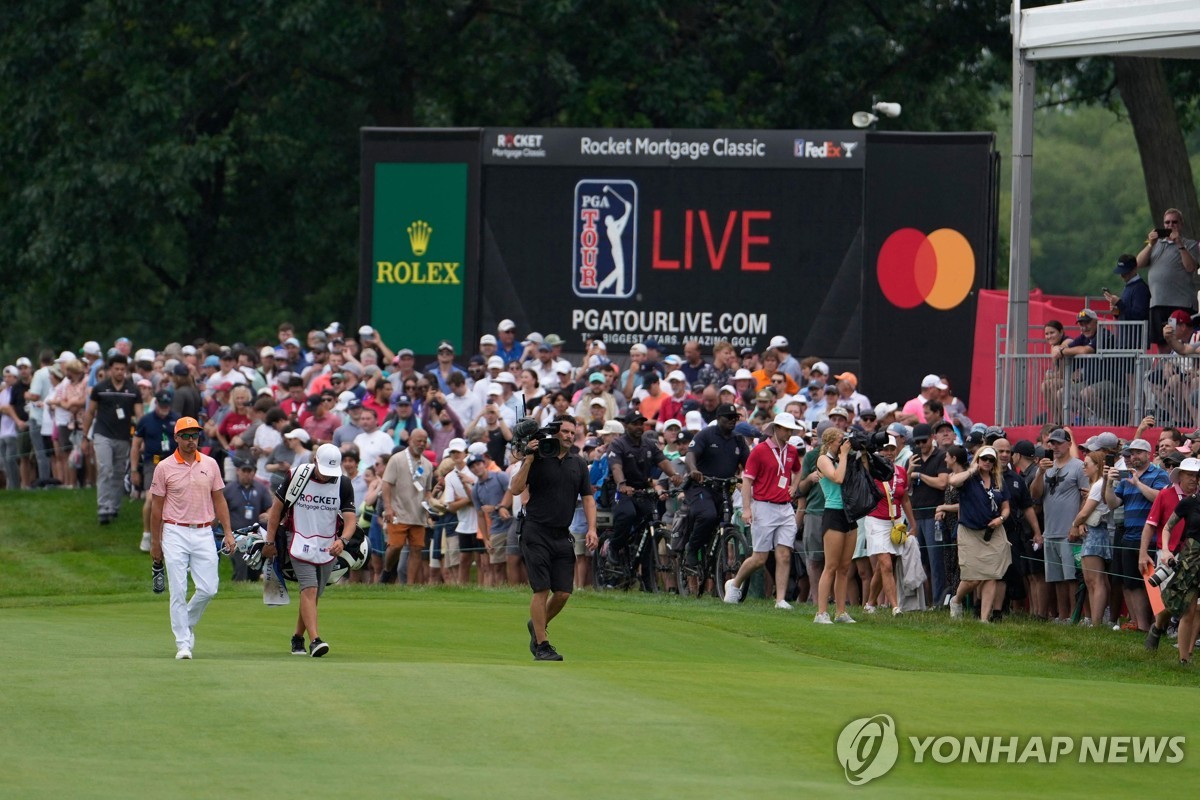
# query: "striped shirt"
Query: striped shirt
{"points": [[1137, 507]]}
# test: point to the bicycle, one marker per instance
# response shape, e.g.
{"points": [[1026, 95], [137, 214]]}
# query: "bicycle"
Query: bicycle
{"points": [[638, 563], [720, 560]]}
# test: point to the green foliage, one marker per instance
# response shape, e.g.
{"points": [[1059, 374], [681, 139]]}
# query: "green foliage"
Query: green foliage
{"points": [[1089, 198]]}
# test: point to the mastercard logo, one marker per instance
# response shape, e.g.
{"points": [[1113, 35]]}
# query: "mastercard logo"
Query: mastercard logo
{"points": [[915, 268]]}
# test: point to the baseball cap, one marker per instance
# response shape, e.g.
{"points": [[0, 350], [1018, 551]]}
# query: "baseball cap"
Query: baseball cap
{"points": [[676, 375], [1182, 317], [883, 409], [746, 351], [343, 401], [1024, 447], [921, 431], [779, 342], [595, 377], [930, 381], [1140, 444], [212, 361], [838, 411], [403, 400], [445, 345], [693, 420], [1059, 435], [366, 332], [650, 344], [506, 325], [899, 429], [329, 460], [984, 452], [495, 362], [727, 388], [597, 401], [942, 424], [267, 352], [163, 398], [532, 338], [477, 448], [543, 347], [563, 367], [404, 352], [11, 370], [820, 367], [765, 394], [457, 445], [638, 349], [187, 424], [487, 338], [507, 377], [1126, 263], [93, 348], [672, 360], [726, 410], [1107, 440], [24, 362], [1086, 314], [612, 426], [554, 340], [495, 389], [67, 355], [313, 401], [224, 387], [291, 341], [633, 417], [672, 423], [474, 458], [849, 377], [298, 433], [746, 429], [181, 370], [145, 354]]}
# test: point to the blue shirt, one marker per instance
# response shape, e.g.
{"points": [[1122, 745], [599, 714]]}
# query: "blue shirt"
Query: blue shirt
{"points": [[1137, 507], [157, 435], [978, 505]]}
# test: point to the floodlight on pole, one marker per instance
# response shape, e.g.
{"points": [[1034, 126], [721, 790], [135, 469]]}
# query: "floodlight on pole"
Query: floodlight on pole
{"points": [[865, 119]]}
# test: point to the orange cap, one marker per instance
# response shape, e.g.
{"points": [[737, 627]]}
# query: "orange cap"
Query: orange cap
{"points": [[187, 424], [848, 376]]}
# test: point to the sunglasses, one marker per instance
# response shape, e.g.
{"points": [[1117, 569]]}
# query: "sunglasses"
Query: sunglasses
{"points": [[188, 436], [987, 460]]}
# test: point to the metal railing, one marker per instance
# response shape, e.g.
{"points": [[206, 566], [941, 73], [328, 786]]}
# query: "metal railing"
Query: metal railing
{"points": [[1114, 388]]}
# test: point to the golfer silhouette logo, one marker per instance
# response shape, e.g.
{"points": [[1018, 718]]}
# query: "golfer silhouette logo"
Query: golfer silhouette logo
{"points": [[867, 748], [605, 238]]}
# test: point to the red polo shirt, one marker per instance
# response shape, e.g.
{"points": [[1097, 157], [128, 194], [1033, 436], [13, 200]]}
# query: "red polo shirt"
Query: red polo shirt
{"points": [[763, 467]]}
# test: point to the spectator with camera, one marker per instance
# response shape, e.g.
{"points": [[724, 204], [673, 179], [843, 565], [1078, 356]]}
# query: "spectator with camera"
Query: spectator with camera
{"points": [[1170, 261], [983, 551], [1062, 486], [1135, 489], [555, 482], [928, 477], [840, 531]]}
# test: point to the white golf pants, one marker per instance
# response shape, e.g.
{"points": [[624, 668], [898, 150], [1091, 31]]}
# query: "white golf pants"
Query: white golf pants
{"points": [[189, 549]]}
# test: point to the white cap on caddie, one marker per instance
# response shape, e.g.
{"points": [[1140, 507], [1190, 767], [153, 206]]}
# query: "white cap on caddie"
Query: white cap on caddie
{"points": [[329, 460]]}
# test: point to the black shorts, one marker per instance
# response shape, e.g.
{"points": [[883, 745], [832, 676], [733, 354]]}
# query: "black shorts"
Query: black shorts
{"points": [[1158, 318], [1125, 562], [469, 543], [836, 519], [549, 555]]}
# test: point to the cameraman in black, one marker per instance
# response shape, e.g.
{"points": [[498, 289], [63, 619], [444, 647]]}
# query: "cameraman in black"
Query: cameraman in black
{"points": [[555, 483], [630, 460], [715, 453]]}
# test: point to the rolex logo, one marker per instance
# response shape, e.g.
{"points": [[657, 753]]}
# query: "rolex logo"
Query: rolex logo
{"points": [[418, 236]]}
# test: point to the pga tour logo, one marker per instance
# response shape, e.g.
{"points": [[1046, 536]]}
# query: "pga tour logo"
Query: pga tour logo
{"points": [[605, 239]]}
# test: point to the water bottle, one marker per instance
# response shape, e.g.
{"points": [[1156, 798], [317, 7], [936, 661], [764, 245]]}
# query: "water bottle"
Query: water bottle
{"points": [[937, 530]]}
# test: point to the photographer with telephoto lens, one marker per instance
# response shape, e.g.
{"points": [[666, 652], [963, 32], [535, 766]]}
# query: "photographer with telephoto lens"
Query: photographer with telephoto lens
{"points": [[556, 480]]}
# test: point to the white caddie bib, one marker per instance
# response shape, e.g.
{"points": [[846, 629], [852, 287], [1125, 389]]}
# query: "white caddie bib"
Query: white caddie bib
{"points": [[314, 522]]}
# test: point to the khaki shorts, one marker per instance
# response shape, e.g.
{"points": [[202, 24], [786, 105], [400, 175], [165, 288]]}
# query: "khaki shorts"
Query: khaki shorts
{"points": [[451, 552], [497, 548], [399, 534]]}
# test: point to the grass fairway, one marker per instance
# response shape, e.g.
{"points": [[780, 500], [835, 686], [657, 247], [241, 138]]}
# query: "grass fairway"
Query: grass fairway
{"points": [[432, 693]]}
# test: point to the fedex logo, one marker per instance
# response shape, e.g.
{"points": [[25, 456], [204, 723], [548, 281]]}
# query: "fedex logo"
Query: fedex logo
{"points": [[803, 148]]}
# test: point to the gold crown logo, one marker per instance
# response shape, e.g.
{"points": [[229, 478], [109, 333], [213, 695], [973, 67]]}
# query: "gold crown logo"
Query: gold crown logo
{"points": [[418, 236]]}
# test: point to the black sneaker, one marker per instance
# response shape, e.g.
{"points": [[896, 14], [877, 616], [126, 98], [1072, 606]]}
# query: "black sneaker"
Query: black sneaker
{"points": [[1152, 637], [158, 579], [318, 648], [546, 652], [298, 646], [105, 519], [532, 639]]}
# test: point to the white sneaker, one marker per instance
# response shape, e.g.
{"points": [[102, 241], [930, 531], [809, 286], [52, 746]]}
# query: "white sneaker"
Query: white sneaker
{"points": [[183, 655], [822, 619], [732, 593], [956, 609], [145, 545], [870, 609], [844, 617], [783, 605], [897, 611]]}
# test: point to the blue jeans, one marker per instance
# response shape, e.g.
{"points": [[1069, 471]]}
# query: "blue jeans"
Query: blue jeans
{"points": [[931, 555]]}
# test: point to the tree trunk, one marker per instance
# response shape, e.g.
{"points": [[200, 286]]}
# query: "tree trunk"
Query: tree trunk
{"points": [[1165, 165]]}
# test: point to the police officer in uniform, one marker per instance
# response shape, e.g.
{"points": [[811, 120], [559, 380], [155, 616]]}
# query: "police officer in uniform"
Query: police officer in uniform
{"points": [[555, 483], [715, 453], [631, 460]]}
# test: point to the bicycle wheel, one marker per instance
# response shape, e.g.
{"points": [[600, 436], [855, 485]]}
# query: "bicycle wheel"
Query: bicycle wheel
{"points": [[732, 550], [602, 577]]}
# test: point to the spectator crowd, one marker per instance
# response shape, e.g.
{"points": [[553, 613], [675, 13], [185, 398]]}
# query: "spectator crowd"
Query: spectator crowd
{"points": [[1051, 527]]}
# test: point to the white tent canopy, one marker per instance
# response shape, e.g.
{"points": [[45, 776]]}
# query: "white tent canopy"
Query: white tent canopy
{"points": [[1147, 28]]}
